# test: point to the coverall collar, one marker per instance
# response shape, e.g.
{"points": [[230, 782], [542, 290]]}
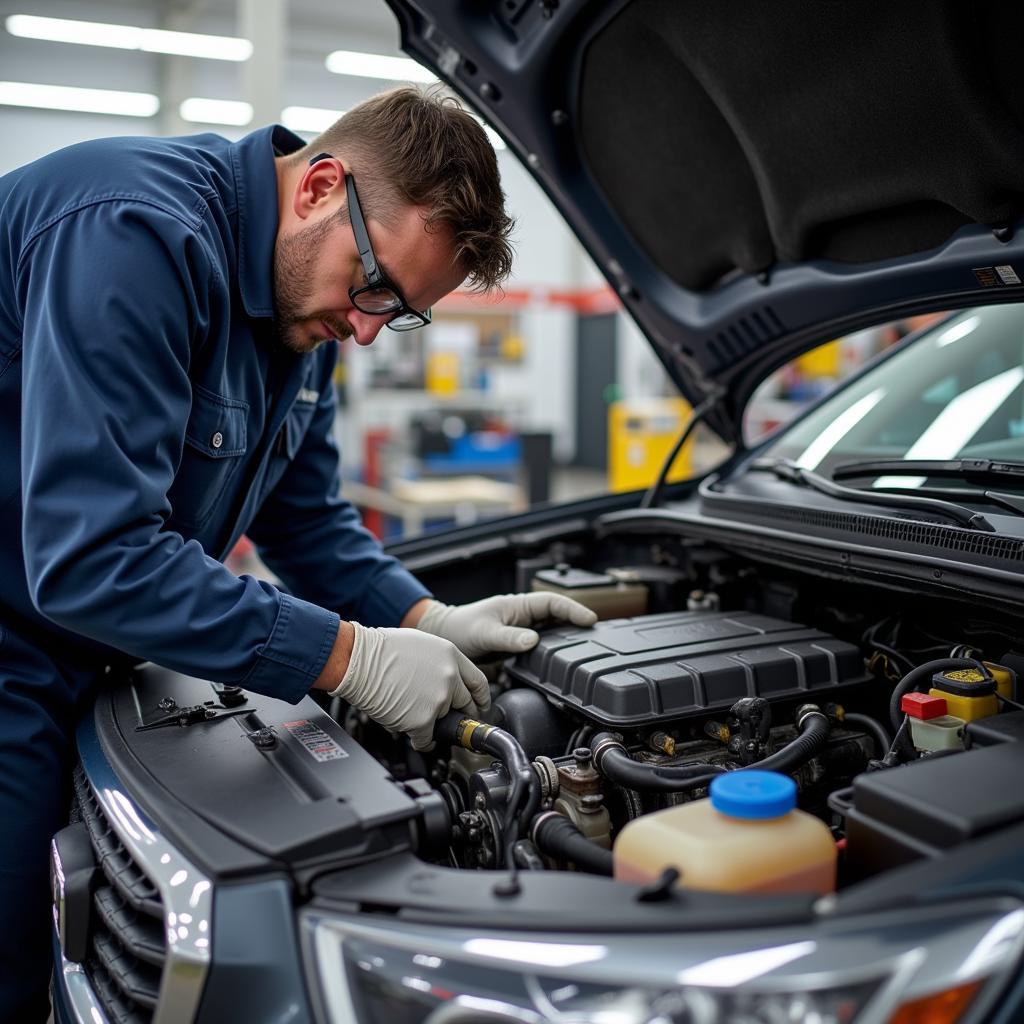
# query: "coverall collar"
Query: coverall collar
{"points": [[256, 188]]}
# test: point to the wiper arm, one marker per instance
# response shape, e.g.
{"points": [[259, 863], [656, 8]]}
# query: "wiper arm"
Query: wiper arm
{"points": [[982, 471], [1011, 502], [785, 469]]}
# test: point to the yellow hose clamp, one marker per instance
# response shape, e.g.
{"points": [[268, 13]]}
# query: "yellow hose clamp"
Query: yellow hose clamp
{"points": [[467, 728]]}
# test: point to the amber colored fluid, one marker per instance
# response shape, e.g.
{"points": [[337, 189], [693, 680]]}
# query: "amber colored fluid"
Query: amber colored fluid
{"points": [[792, 853]]}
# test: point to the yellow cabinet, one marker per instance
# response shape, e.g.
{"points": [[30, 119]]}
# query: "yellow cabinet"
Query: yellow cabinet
{"points": [[641, 433]]}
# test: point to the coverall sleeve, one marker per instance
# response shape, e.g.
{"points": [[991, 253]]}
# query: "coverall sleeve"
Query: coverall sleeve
{"points": [[116, 297], [314, 539]]}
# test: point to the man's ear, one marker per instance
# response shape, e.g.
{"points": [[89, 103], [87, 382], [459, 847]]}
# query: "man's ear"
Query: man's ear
{"points": [[322, 182]]}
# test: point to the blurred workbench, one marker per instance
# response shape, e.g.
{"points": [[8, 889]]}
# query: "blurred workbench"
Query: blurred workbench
{"points": [[465, 499]]}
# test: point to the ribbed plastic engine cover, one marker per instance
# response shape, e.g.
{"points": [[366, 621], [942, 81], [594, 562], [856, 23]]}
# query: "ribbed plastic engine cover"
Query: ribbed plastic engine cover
{"points": [[653, 668]]}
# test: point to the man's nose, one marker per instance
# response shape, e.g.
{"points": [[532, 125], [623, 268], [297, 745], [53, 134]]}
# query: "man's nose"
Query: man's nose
{"points": [[366, 326]]}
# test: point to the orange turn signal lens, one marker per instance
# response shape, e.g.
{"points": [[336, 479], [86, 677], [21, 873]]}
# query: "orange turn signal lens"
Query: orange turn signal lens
{"points": [[945, 1007]]}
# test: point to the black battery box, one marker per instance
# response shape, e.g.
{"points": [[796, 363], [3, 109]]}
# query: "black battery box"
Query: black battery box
{"points": [[923, 809]]}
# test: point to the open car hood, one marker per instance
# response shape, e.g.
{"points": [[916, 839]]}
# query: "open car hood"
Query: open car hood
{"points": [[754, 179]]}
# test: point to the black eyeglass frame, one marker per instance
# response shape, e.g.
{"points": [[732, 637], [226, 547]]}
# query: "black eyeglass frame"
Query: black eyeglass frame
{"points": [[403, 316]]}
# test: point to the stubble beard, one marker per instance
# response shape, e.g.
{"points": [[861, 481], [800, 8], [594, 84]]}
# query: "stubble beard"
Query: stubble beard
{"points": [[295, 260]]}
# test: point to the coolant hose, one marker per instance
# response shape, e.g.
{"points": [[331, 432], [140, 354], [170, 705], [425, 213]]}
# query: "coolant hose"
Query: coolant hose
{"points": [[882, 738], [455, 729], [554, 834], [814, 727], [917, 677], [615, 764]]}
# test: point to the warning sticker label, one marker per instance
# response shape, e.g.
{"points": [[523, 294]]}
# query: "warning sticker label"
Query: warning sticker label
{"points": [[994, 277], [315, 740]]}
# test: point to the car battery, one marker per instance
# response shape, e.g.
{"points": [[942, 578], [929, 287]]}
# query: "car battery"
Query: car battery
{"points": [[923, 809]]}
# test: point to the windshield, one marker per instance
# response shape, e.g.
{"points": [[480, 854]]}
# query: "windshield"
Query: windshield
{"points": [[956, 391]]}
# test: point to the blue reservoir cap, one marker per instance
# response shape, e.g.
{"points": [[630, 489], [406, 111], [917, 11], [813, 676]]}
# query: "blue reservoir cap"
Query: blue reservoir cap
{"points": [[753, 795]]}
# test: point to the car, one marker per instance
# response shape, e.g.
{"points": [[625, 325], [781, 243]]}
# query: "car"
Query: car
{"points": [[839, 603]]}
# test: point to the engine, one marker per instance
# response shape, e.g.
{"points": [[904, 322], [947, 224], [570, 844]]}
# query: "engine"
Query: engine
{"points": [[596, 728], [638, 714]]}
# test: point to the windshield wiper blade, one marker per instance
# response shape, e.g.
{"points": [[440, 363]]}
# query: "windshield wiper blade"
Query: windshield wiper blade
{"points": [[1012, 502], [785, 469], [982, 471]]}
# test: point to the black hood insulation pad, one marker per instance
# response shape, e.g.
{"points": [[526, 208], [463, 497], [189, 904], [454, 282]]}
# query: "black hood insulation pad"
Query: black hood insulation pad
{"points": [[744, 135], [755, 180]]}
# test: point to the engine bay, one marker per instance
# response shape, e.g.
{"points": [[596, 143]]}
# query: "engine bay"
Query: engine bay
{"points": [[894, 717], [703, 664]]}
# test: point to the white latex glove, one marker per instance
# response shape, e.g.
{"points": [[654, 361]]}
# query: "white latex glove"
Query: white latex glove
{"points": [[496, 623], [406, 681]]}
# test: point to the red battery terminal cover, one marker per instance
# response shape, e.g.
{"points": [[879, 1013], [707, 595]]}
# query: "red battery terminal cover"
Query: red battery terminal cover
{"points": [[923, 706]]}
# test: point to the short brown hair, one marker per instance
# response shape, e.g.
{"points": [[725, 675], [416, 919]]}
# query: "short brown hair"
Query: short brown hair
{"points": [[420, 148]]}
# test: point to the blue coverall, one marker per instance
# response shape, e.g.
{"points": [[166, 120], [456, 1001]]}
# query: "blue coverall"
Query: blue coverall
{"points": [[149, 417]]}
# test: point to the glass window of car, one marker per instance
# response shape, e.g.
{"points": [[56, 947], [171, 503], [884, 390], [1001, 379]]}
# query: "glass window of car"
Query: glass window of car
{"points": [[955, 391]]}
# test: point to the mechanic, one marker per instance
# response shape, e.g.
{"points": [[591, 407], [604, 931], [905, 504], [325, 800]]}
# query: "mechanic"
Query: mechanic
{"points": [[165, 387]]}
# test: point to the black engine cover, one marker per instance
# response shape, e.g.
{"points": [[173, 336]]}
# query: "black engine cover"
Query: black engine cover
{"points": [[653, 668]]}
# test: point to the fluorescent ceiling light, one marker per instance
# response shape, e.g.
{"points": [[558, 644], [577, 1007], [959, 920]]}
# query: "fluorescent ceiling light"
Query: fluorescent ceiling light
{"points": [[309, 119], [90, 101], [203, 111], [374, 65], [129, 37]]}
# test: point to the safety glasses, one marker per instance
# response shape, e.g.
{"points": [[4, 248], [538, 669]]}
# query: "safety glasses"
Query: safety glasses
{"points": [[380, 295]]}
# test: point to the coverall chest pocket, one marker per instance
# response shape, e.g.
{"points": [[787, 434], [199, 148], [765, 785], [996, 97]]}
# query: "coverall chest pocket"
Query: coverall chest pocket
{"points": [[295, 425], [286, 445], [214, 449]]}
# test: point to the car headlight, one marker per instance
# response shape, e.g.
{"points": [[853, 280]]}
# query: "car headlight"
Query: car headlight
{"points": [[937, 965]]}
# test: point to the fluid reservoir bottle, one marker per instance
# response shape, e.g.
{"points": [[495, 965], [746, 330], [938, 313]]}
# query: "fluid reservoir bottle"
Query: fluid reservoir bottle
{"points": [[611, 596], [748, 837]]}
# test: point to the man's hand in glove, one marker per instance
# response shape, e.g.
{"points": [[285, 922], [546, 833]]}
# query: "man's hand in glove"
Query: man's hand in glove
{"points": [[406, 680], [500, 624]]}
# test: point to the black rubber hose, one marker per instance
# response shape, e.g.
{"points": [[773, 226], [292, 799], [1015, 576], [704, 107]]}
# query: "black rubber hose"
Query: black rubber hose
{"points": [[634, 808], [814, 727], [555, 835], [883, 741], [920, 675], [615, 764], [456, 729], [840, 801]]}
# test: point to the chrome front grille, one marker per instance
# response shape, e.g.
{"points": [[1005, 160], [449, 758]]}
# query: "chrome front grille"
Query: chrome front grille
{"points": [[128, 945]]}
